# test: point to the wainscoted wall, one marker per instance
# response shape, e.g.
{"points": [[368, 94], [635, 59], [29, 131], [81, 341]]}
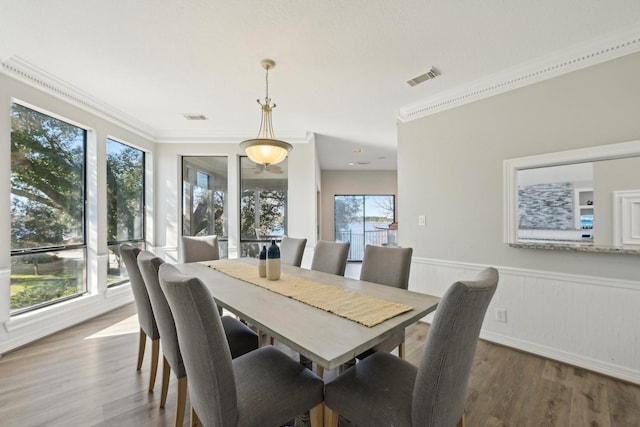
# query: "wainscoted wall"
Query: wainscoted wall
{"points": [[585, 321]]}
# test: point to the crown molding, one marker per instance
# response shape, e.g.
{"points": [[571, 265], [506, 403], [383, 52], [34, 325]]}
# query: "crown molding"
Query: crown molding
{"points": [[615, 45], [23, 71]]}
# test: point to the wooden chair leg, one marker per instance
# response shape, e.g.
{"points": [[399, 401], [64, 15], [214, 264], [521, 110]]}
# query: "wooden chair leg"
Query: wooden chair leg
{"points": [[155, 353], [166, 376], [271, 340], [402, 351], [260, 338], [319, 371], [141, 344], [330, 417], [316, 415], [195, 421], [461, 422], [181, 401]]}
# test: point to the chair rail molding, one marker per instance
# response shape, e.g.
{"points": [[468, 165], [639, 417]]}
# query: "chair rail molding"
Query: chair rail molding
{"points": [[564, 317], [623, 42]]}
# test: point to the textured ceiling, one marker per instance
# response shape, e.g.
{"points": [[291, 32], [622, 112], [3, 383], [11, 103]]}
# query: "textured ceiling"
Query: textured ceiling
{"points": [[341, 70]]}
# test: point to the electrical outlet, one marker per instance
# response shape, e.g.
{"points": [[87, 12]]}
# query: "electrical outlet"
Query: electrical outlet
{"points": [[501, 315], [422, 220]]}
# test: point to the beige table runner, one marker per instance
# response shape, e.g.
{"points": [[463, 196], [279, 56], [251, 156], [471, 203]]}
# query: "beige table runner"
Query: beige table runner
{"points": [[363, 309]]}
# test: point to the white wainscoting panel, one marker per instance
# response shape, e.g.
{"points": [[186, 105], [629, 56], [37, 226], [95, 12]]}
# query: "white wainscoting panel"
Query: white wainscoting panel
{"points": [[590, 322]]}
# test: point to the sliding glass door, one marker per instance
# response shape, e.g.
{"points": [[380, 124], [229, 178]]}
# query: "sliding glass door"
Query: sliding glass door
{"points": [[363, 220]]}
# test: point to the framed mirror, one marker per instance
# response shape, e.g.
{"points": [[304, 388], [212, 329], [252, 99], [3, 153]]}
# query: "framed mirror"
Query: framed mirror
{"points": [[586, 199]]}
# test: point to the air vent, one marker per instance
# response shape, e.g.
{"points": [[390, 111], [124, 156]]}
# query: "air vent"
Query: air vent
{"points": [[431, 74], [195, 117]]}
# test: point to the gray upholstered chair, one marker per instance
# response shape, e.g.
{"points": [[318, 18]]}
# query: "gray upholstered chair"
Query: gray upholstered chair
{"points": [[262, 388], [240, 337], [292, 251], [146, 319], [330, 257], [200, 248], [383, 390], [390, 266]]}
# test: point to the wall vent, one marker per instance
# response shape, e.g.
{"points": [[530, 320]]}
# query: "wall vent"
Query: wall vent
{"points": [[431, 74]]}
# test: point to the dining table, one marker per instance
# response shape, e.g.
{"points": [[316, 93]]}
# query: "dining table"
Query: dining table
{"points": [[318, 334], [327, 339]]}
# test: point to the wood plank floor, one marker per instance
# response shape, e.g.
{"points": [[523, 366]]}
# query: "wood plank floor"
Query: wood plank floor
{"points": [[85, 376]]}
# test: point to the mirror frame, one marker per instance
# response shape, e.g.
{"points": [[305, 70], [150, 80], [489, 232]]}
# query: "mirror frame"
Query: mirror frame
{"points": [[582, 155]]}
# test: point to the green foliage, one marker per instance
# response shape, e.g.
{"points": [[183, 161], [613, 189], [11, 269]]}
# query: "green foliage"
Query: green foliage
{"points": [[125, 187], [347, 209], [47, 176], [39, 289]]}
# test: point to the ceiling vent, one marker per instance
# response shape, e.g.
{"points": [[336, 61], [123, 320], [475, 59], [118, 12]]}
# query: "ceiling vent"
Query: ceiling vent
{"points": [[195, 117], [431, 74]]}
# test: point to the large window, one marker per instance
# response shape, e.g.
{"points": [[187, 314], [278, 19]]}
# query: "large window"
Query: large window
{"points": [[48, 252], [204, 198], [125, 204], [364, 220], [263, 204]]}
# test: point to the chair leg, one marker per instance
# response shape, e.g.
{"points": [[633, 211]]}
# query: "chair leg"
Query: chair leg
{"points": [[316, 415], [461, 422], [260, 339], [155, 352], [141, 344], [271, 340], [319, 371], [166, 376], [195, 422], [402, 351], [181, 401], [330, 417]]}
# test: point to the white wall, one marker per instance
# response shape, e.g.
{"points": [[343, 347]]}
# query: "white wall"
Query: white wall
{"points": [[352, 182], [21, 329], [578, 307]]}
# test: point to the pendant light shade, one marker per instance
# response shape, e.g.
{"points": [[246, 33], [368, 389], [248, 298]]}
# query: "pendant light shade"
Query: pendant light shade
{"points": [[265, 149]]}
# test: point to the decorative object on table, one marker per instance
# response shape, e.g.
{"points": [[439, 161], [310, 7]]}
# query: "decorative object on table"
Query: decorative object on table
{"points": [[273, 261], [262, 262], [265, 149]]}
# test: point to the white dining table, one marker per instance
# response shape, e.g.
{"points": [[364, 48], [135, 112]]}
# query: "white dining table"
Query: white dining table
{"points": [[322, 337]]}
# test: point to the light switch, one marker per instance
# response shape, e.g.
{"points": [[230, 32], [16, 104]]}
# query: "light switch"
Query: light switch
{"points": [[422, 220]]}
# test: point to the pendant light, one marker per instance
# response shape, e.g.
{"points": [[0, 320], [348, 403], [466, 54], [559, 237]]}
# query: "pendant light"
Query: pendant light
{"points": [[266, 149]]}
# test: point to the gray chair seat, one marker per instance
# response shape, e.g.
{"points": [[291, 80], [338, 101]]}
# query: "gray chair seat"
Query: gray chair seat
{"points": [[384, 384], [273, 387]]}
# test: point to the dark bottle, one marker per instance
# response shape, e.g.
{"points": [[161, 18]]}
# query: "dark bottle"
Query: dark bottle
{"points": [[262, 262]]}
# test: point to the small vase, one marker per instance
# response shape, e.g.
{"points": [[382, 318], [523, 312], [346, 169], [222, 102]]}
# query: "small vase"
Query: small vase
{"points": [[273, 261], [262, 262]]}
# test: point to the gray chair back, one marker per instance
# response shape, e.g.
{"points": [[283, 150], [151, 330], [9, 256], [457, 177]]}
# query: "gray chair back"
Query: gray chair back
{"points": [[386, 265], [146, 317], [149, 265], [440, 389], [330, 257], [200, 248], [207, 359], [292, 251]]}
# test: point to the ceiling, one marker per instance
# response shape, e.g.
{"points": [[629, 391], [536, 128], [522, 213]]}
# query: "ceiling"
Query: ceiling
{"points": [[341, 66]]}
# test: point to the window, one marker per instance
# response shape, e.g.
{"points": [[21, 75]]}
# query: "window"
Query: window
{"points": [[263, 204], [204, 198], [48, 250], [125, 204], [364, 220]]}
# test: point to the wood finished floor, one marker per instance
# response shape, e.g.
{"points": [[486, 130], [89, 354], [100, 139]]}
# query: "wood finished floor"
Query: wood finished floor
{"points": [[85, 376]]}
